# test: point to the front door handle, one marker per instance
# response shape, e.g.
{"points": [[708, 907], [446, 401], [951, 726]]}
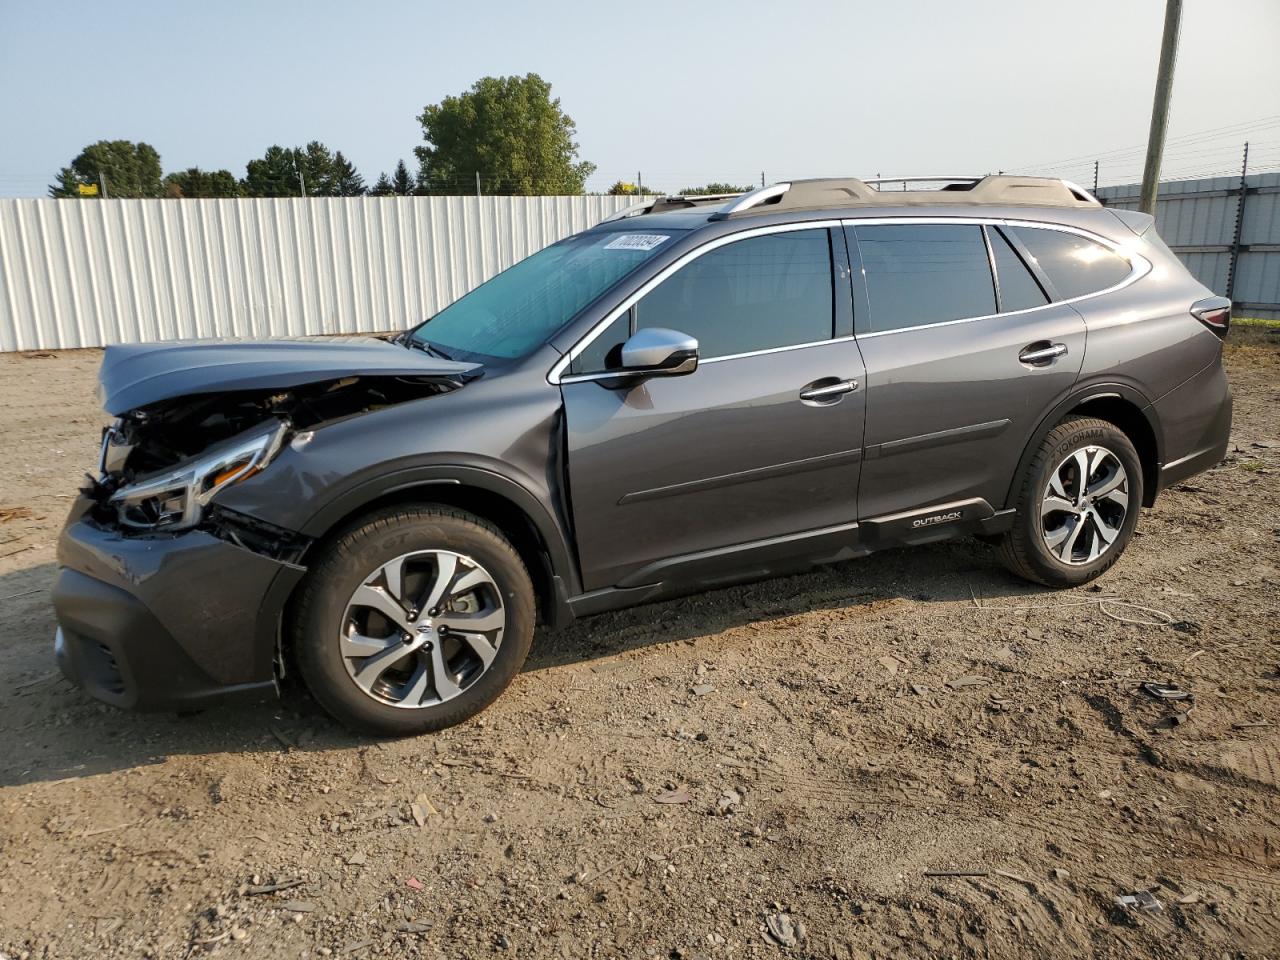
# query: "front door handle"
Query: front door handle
{"points": [[1042, 353], [828, 393]]}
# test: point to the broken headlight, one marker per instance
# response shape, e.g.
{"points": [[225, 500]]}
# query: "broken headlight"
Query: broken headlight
{"points": [[175, 499]]}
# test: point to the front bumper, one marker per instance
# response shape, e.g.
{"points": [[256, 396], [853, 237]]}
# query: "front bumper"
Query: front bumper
{"points": [[167, 622]]}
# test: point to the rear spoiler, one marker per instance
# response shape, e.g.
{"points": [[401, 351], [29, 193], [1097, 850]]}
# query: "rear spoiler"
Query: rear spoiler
{"points": [[1138, 222]]}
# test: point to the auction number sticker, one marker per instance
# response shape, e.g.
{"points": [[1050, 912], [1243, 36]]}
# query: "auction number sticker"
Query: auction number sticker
{"points": [[636, 241]]}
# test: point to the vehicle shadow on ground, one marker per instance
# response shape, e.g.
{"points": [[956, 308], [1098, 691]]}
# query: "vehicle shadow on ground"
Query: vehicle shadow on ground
{"points": [[54, 731]]}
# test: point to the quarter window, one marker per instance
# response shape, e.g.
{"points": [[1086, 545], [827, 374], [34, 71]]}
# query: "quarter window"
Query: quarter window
{"points": [[918, 274], [1075, 265], [1018, 288], [604, 352], [754, 294]]}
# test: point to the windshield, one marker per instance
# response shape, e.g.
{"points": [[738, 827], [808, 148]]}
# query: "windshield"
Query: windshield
{"points": [[519, 309]]}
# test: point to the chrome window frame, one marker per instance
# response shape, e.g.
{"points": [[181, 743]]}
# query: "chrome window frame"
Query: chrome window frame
{"points": [[556, 375], [1139, 266]]}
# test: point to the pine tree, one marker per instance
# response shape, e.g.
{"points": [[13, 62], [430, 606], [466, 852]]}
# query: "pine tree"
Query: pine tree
{"points": [[401, 181]]}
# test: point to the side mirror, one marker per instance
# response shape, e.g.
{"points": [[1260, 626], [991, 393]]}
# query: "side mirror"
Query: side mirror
{"points": [[659, 352]]}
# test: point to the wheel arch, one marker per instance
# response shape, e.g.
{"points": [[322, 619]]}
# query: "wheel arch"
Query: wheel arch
{"points": [[1119, 404], [516, 511]]}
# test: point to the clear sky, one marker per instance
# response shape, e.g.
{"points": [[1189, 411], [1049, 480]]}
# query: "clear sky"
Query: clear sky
{"points": [[684, 92]]}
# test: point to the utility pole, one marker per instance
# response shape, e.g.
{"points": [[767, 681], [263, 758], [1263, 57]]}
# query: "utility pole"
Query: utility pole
{"points": [[1095, 178], [1160, 107], [1235, 243], [102, 184], [639, 184], [302, 184], [762, 178], [477, 183]]}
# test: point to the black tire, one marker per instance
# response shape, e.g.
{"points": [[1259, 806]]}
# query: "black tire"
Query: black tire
{"points": [[366, 546], [1024, 549]]}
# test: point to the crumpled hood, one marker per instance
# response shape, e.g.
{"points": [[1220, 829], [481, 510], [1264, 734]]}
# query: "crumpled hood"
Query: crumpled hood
{"points": [[140, 374]]}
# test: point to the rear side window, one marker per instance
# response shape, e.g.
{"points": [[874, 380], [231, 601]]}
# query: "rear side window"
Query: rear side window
{"points": [[1075, 265], [754, 294], [1019, 290], [921, 274]]}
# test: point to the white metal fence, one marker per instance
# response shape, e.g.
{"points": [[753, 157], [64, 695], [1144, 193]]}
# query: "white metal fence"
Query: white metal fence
{"points": [[1225, 231], [80, 273]]}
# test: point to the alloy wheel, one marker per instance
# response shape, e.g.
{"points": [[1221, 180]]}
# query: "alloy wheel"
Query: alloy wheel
{"points": [[422, 628], [1084, 505]]}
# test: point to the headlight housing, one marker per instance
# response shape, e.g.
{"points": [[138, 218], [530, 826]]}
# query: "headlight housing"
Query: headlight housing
{"points": [[175, 500]]}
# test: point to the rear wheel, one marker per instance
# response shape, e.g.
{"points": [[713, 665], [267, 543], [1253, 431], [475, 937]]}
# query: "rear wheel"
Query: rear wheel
{"points": [[1077, 505], [414, 620]]}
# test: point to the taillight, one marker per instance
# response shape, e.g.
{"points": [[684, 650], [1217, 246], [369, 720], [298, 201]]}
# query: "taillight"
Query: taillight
{"points": [[1214, 313]]}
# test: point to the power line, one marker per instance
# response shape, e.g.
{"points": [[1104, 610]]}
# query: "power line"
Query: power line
{"points": [[1236, 131]]}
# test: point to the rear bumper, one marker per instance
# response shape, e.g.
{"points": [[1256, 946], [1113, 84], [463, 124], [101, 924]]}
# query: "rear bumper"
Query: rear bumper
{"points": [[170, 623], [1196, 421]]}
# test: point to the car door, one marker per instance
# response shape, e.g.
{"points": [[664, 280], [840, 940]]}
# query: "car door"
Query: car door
{"points": [[684, 478], [964, 353]]}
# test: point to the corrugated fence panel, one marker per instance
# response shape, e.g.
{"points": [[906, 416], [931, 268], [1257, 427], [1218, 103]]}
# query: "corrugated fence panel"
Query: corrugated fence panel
{"points": [[1197, 218], [90, 273]]}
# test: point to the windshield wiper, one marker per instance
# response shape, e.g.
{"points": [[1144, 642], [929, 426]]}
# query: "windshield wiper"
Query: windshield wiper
{"points": [[428, 348]]}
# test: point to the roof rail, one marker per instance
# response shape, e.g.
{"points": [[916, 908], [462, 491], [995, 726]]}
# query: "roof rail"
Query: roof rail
{"points": [[632, 211], [1081, 192], [836, 193], [960, 179], [754, 199]]}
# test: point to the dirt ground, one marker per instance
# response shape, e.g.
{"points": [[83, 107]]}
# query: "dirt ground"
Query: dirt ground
{"points": [[767, 771]]}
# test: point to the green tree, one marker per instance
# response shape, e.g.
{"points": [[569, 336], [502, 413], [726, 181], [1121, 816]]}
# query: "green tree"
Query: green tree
{"points": [[713, 188], [285, 171], [346, 181], [129, 169], [509, 130], [401, 182], [194, 182], [274, 175], [621, 188]]}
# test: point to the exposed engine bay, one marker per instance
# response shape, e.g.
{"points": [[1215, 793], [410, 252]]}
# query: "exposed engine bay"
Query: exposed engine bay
{"points": [[162, 464]]}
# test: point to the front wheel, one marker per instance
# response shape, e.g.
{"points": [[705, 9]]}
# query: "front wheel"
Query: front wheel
{"points": [[1077, 504], [414, 620]]}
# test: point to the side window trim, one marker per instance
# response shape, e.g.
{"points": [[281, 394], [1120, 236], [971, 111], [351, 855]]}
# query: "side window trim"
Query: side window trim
{"points": [[1030, 262], [848, 265], [1140, 265], [559, 371], [991, 265]]}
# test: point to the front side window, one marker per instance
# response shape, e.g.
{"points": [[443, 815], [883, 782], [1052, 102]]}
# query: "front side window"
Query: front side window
{"points": [[755, 294], [1075, 265], [521, 308], [918, 274]]}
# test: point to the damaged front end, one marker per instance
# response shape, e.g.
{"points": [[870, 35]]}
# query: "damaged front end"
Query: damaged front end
{"points": [[137, 627], [163, 465]]}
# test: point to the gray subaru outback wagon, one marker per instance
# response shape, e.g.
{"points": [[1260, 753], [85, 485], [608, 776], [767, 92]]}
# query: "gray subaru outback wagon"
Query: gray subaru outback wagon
{"points": [[696, 391]]}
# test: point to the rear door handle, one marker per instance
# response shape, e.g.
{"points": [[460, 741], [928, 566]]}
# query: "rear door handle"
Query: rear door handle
{"points": [[828, 392], [1042, 353]]}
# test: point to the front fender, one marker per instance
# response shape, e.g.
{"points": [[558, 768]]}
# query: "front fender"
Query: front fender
{"points": [[541, 513]]}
